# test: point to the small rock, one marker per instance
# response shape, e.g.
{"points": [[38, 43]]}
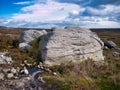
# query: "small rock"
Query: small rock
{"points": [[106, 48], [2, 76], [48, 70], [28, 78], [19, 84], [54, 73], [41, 67], [4, 58], [117, 50], [10, 75], [16, 77], [118, 59], [41, 79], [116, 54], [24, 71], [13, 70], [110, 44], [17, 69], [24, 46]]}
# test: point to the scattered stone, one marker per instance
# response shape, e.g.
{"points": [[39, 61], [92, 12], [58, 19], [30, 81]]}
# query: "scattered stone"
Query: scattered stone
{"points": [[110, 44], [17, 69], [19, 84], [10, 75], [54, 73], [24, 46], [117, 50], [4, 59], [41, 79], [2, 76], [106, 48], [48, 70], [28, 78], [41, 67], [13, 70], [26, 64], [5, 68], [24, 71], [118, 59], [116, 54]]}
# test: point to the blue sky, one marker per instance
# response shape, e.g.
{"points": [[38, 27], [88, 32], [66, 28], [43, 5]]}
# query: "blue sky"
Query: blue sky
{"points": [[50, 13]]}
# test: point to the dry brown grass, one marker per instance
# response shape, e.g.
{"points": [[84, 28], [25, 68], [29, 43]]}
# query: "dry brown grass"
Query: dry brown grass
{"points": [[87, 75]]}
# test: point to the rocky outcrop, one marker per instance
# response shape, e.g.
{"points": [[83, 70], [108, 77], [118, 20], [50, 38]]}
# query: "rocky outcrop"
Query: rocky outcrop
{"points": [[28, 36], [70, 44]]}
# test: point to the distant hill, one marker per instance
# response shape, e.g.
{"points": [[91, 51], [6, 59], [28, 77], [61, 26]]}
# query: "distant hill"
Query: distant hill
{"points": [[105, 29], [11, 30]]}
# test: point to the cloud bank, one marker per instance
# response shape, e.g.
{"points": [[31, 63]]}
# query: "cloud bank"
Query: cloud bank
{"points": [[49, 13]]}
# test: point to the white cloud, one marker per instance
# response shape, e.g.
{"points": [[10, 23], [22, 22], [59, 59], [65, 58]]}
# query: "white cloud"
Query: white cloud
{"points": [[23, 3], [84, 21], [104, 10], [51, 11], [109, 24], [98, 22], [75, 12]]}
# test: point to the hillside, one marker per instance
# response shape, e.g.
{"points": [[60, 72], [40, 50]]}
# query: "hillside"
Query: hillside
{"points": [[83, 76]]}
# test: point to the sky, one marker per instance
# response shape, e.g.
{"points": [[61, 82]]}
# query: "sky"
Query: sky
{"points": [[51, 13]]}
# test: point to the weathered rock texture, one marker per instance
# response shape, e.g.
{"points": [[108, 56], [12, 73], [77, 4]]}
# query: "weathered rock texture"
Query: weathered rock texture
{"points": [[28, 36], [4, 58], [71, 43]]}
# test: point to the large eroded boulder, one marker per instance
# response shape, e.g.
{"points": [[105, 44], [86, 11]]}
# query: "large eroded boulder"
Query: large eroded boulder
{"points": [[70, 44], [28, 36]]}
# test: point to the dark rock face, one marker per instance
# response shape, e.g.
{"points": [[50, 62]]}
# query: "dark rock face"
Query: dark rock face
{"points": [[71, 43]]}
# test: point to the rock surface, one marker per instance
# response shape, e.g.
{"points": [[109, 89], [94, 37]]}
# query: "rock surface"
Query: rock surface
{"points": [[28, 36], [2, 76], [70, 44], [110, 44], [10, 75], [4, 59], [9, 81], [24, 46]]}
